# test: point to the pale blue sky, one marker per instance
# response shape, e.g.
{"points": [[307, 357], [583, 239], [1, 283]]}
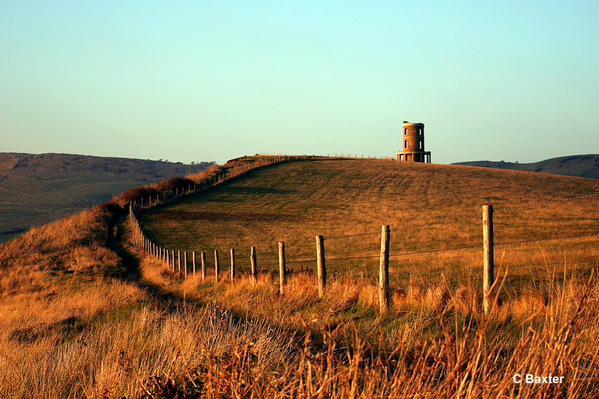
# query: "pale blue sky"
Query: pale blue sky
{"points": [[212, 80]]}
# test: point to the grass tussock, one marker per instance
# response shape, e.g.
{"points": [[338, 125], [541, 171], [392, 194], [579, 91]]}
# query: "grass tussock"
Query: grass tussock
{"points": [[433, 344]]}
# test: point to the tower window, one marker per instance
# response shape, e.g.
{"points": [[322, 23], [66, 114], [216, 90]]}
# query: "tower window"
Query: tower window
{"points": [[420, 131], [405, 144], [405, 132], [420, 144]]}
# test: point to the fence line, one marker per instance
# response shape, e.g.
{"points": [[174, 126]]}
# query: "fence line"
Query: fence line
{"points": [[385, 298], [395, 256], [180, 266]]}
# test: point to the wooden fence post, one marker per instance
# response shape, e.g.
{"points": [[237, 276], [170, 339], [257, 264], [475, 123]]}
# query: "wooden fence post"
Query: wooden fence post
{"points": [[282, 268], [321, 268], [488, 257], [185, 264], [173, 259], [193, 262], [253, 265], [384, 292], [216, 265], [233, 264], [203, 262], [179, 260]]}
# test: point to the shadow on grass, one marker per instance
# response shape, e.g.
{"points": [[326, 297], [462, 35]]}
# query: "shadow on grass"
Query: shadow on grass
{"points": [[171, 301]]}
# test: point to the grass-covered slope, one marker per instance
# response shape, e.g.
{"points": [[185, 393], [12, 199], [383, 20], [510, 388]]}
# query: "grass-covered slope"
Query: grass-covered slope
{"points": [[39, 188], [429, 208], [85, 314]]}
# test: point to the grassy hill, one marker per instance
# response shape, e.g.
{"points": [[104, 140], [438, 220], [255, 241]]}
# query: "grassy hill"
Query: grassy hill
{"points": [[574, 165], [430, 208], [85, 314], [36, 189]]}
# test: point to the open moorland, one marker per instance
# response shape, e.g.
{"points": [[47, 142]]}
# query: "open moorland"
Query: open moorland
{"points": [[84, 312]]}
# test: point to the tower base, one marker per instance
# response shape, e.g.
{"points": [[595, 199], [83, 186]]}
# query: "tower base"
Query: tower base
{"points": [[422, 157]]}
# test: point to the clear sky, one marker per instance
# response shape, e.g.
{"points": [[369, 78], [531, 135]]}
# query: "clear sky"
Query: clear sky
{"points": [[212, 80]]}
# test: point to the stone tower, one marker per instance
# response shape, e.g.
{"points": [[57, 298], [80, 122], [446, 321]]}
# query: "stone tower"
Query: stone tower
{"points": [[413, 144]]}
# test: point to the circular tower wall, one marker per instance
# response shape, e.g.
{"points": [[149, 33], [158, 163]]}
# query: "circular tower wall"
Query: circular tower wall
{"points": [[413, 142]]}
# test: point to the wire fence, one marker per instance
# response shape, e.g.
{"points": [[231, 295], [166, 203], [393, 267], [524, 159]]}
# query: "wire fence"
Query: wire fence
{"points": [[181, 263]]}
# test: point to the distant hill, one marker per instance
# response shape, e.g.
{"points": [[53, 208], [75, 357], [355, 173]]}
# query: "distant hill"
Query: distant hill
{"points": [[38, 188], [573, 165]]}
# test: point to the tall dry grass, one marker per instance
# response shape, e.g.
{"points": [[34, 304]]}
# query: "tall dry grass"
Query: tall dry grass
{"points": [[241, 340], [78, 320], [57, 282], [162, 337]]}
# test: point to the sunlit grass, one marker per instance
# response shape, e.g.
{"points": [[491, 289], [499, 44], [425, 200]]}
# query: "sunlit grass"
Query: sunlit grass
{"points": [[77, 320]]}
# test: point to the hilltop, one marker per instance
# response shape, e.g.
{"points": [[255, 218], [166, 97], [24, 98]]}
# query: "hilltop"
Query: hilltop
{"points": [[38, 188], [85, 313], [573, 165], [429, 208]]}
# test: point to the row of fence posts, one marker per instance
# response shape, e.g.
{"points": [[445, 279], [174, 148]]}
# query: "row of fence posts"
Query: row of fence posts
{"points": [[164, 196], [179, 264], [155, 199]]}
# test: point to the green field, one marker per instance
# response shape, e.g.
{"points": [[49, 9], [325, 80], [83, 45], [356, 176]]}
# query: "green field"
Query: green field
{"points": [[434, 213]]}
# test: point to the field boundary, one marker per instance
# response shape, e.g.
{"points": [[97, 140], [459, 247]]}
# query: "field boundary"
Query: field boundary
{"points": [[186, 264]]}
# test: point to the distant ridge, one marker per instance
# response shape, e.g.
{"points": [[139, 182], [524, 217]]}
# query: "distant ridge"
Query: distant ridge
{"points": [[39, 188], [573, 165]]}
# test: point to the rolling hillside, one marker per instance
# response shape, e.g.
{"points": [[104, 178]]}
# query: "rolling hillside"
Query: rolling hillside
{"points": [[433, 210], [36, 189], [574, 165], [85, 314]]}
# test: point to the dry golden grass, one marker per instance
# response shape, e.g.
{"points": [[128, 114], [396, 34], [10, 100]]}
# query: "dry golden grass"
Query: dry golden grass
{"points": [[82, 318], [56, 282], [435, 343]]}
